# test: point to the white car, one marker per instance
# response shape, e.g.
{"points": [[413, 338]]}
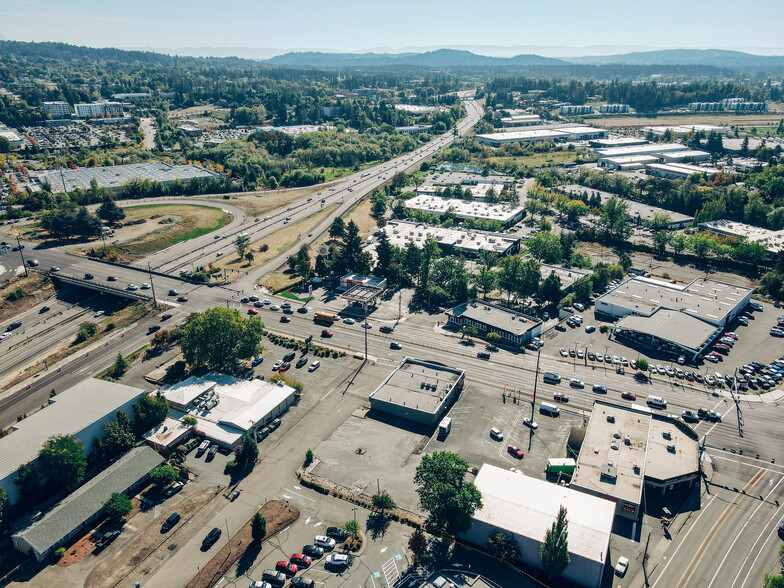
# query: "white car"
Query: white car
{"points": [[349, 321], [529, 423], [220, 254], [132, 287], [99, 313], [5, 336], [563, 352], [621, 566], [660, 369], [266, 301], [496, 434], [590, 329], [324, 541], [599, 357], [274, 307], [616, 360], [709, 380], [337, 560], [145, 286], [624, 361]]}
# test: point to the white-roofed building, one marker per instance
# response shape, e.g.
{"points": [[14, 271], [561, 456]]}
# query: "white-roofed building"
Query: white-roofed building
{"points": [[679, 171], [226, 407], [80, 411], [773, 241], [13, 138], [401, 233], [504, 213], [526, 508]]}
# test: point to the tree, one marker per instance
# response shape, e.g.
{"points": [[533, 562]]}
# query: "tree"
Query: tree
{"points": [[550, 289], [430, 252], [352, 527], [417, 543], [383, 501], [530, 277], [248, 451], [218, 338], [383, 255], [545, 247], [493, 337], [308, 456], [258, 527], [337, 229], [641, 364], [149, 411], [117, 437], [109, 211], [28, 479], [443, 492], [163, 475], [554, 550], [120, 365], [486, 280], [659, 222], [241, 244], [509, 272], [503, 547], [468, 331], [701, 244], [773, 581], [351, 258], [615, 216], [5, 504], [582, 288], [660, 240], [62, 460], [117, 507], [678, 242]]}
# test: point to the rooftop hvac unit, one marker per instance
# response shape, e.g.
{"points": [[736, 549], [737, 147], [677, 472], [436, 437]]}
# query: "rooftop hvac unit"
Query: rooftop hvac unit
{"points": [[671, 448], [667, 434], [610, 418], [627, 440], [617, 434]]}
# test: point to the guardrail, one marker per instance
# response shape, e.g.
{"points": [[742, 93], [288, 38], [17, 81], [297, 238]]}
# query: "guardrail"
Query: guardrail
{"points": [[90, 284]]}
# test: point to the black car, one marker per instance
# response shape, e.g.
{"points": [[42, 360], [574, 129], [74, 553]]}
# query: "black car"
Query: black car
{"points": [[173, 292], [288, 311], [166, 316], [285, 319], [302, 310], [14, 325], [386, 329], [689, 416], [301, 362], [211, 453], [88, 276], [244, 300], [483, 355], [300, 582], [395, 345], [153, 328], [170, 522], [702, 413], [289, 356], [111, 279], [713, 416], [211, 538], [274, 424], [313, 550], [43, 309], [337, 533]]}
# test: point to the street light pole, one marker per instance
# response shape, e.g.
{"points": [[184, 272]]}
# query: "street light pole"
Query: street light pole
{"points": [[24, 265], [228, 537], [154, 299]]}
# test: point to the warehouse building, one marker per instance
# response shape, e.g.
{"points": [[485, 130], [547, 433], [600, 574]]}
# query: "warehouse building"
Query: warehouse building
{"points": [[514, 328], [532, 136], [225, 407], [470, 243], [85, 505], [628, 450], [418, 390], [672, 318], [679, 171], [114, 176], [520, 120], [617, 142], [526, 508], [13, 138], [685, 156], [80, 411], [627, 162], [773, 241], [506, 214], [684, 130], [643, 149]]}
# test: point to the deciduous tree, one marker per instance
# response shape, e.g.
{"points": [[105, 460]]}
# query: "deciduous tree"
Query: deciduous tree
{"points": [[218, 338], [62, 460]]}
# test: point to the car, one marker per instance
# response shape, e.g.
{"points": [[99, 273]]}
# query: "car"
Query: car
{"points": [[616, 360], [395, 345], [386, 329], [302, 310], [483, 355], [338, 560], [263, 433], [274, 307], [661, 369], [563, 352], [54, 269], [624, 362], [599, 357], [98, 313], [173, 292], [530, 423], [17, 247], [286, 567], [286, 305], [182, 299], [591, 356], [324, 541], [496, 434], [560, 397], [173, 489], [288, 311], [301, 362], [326, 333], [153, 329], [211, 538], [277, 364], [599, 389], [132, 287], [742, 320], [173, 519], [580, 354], [314, 366], [349, 321], [713, 416], [313, 550], [628, 396], [300, 559], [274, 424], [621, 566], [709, 380], [366, 325], [338, 533], [258, 304], [669, 371], [689, 376], [44, 309], [781, 530], [590, 329], [756, 306], [211, 453], [575, 383], [253, 311], [274, 577], [572, 353], [748, 315], [111, 279], [560, 327], [300, 582], [515, 451], [776, 332], [88, 276], [257, 360], [712, 358], [283, 368], [285, 319], [265, 301], [689, 416]]}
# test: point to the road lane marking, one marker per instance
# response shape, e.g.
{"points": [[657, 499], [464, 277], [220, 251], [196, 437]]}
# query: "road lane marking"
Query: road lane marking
{"points": [[774, 517], [711, 535]]}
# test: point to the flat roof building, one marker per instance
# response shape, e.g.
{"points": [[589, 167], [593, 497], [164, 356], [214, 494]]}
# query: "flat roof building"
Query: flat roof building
{"points": [[646, 149], [498, 139], [526, 508], [401, 233], [226, 407], [520, 120], [168, 435], [628, 162], [567, 275], [57, 109], [514, 327], [418, 390], [504, 213], [103, 109], [418, 109], [114, 176], [617, 142], [80, 411], [687, 155], [13, 138], [773, 241], [679, 171], [85, 504], [414, 129], [683, 130], [628, 449]]}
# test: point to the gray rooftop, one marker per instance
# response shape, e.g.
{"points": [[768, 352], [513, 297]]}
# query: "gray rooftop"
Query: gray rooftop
{"points": [[673, 450], [567, 275], [406, 384], [636, 209], [671, 325], [68, 413], [114, 176], [498, 317], [82, 504]]}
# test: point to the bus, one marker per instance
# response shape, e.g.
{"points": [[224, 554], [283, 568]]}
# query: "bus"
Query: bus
{"points": [[324, 317]]}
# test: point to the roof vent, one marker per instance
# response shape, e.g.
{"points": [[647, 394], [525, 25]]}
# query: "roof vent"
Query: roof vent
{"points": [[627, 440], [610, 418], [617, 434], [667, 434], [671, 448]]}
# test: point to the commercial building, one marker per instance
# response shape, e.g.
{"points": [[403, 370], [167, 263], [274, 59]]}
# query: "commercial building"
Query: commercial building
{"points": [[636, 156], [57, 109], [504, 213], [80, 411], [683, 130], [679, 171], [567, 275], [331, 111], [418, 109], [773, 241], [14, 140], [627, 162], [526, 509], [419, 391], [132, 96], [449, 178], [685, 156], [520, 120], [99, 110], [672, 318], [114, 176], [575, 110], [414, 129], [225, 407], [614, 109], [545, 133], [617, 142], [168, 435], [350, 280], [628, 450], [190, 130], [85, 505], [514, 327], [401, 233], [642, 149]]}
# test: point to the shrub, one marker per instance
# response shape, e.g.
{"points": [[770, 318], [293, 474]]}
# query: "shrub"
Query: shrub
{"points": [[59, 552], [15, 295], [109, 327], [603, 329], [230, 466]]}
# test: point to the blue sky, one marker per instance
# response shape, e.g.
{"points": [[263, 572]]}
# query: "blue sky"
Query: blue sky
{"points": [[346, 25]]}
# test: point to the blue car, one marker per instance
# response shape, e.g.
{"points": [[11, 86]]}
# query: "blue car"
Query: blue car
{"points": [[256, 361]]}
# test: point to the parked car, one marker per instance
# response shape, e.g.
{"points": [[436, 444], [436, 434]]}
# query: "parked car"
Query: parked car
{"points": [[338, 560], [211, 538], [621, 566], [286, 567], [313, 550], [314, 366], [496, 434], [528, 422], [174, 488], [300, 582], [338, 533], [301, 362], [323, 541], [515, 451], [300, 559]]}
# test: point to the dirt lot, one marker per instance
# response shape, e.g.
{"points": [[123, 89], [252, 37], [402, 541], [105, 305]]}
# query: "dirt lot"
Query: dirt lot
{"points": [[704, 119], [360, 214], [165, 225], [37, 288], [193, 111], [262, 203]]}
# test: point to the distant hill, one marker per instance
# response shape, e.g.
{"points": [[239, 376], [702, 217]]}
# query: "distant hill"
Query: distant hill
{"points": [[715, 57], [438, 58]]}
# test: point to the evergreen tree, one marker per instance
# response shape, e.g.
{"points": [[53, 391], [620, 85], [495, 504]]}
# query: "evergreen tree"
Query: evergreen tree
{"points": [[554, 550]]}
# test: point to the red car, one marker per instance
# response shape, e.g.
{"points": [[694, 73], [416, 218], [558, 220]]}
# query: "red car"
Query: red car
{"points": [[286, 567], [253, 311], [515, 451], [286, 365], [748, 315], [560, 397], [628, 396], [300, 559], [182, 299]]}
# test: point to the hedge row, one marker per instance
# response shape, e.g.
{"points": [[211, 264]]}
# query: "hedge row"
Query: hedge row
{"points": [[316, 350]]}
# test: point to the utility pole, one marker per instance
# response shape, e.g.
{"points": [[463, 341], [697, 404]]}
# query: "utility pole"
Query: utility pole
{"points": [[734, 394], [645, 559], [536, 380], [24, 265], [364, 328], [154, 299]]}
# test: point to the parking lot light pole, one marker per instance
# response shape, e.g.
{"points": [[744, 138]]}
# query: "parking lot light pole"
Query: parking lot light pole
{"points": [[21, 252], [228, 537]]}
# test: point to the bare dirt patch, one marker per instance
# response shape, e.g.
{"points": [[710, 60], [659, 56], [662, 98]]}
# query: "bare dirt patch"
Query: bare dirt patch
{"points": [[36, 287], [278, 515], [705, 119], [360, 214], [263, 203]]}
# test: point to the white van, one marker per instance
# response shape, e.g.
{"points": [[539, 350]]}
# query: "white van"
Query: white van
{"points": [[656, 402], [549, 409], [205, 445], [445, 426]]}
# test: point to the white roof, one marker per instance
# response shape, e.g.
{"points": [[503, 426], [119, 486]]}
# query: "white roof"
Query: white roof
{"points": [[650, 149], [537, 134], [68, 413], [528, 507], [464, 208]]}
